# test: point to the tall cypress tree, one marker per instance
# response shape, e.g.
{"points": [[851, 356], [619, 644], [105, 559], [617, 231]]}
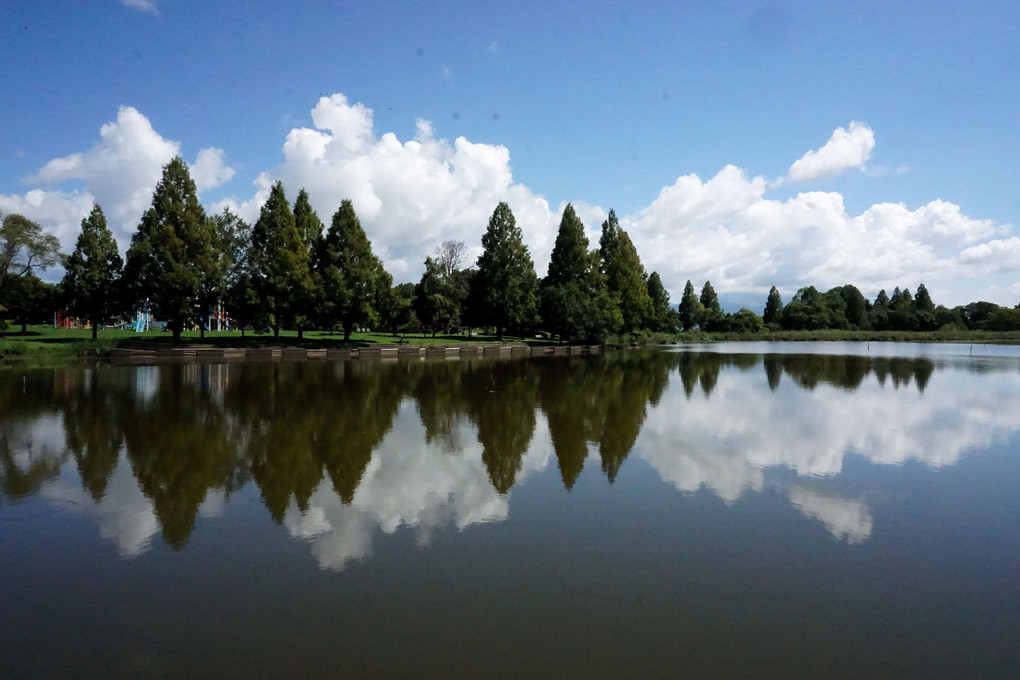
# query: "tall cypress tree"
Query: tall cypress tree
{"points": [[711, 313], [280, 262], [93, 272], [309, 228], [503, 290], [351, 274], [773, 307], [573, 296], [625, 276], [659, 296], [172, 251], [689, 307]]}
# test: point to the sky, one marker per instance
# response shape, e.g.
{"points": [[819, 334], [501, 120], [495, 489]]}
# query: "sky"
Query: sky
{"points": [[747, 143]]}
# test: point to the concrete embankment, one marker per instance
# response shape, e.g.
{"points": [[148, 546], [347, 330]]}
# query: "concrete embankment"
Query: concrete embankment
{"points": [[198, 353]]}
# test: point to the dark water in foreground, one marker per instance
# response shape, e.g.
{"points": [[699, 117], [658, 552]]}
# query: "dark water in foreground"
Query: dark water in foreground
{"points": [[727, 511]]}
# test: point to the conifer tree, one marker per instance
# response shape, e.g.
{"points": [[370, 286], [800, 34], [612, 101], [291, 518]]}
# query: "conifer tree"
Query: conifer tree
{"points": [[773, 308], [625, 276], [351, 275], [660, 302], [172, 251], [279, 261], [711, 313], [310, 229], [573, 297], [689, 307], [93, 271], [504, 288]]}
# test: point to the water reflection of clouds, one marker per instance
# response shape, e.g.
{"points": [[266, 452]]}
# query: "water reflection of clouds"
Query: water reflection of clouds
{"points": [[124, 514], [409, 484], [727, 440]]}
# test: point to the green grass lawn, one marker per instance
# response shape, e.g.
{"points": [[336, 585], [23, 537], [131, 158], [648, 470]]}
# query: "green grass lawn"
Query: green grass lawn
{"points": [[46, 340], [56, 343]]}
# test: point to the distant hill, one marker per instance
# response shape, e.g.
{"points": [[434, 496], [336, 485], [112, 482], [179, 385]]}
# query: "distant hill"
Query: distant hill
{"points": [[732, 302]]}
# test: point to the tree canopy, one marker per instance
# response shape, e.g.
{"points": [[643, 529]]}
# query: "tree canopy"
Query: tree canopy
{"points": [[92, 272], [352, 276], [504, 287], [625, 275], [172, 251], [25, 249]]}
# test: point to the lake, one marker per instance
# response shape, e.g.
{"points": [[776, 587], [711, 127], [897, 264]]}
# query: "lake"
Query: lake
{"points": [[786, 510]]}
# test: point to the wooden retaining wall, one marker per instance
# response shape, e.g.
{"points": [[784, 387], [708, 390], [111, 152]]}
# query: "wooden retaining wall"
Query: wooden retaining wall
{"points": [[197, 353]]}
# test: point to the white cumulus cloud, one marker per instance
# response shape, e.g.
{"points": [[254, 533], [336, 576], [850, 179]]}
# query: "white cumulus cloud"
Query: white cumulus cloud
{"points": [[410, 195], [413, 193], [119, 173], [846, 148]]}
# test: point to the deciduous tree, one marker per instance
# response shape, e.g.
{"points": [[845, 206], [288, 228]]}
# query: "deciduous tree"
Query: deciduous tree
{"points": [[24, 250]]}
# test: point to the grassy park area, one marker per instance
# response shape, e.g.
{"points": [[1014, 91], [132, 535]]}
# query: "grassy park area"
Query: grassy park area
{"points": [[44, 341]]}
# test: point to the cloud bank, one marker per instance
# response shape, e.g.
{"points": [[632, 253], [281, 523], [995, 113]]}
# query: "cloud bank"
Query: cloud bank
{"points": [[412, 194]]}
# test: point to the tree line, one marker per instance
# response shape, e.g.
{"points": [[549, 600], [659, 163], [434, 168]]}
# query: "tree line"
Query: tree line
{"points": [[290, 271]]}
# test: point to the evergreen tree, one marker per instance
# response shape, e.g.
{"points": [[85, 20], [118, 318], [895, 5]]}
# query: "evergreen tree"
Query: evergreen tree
{"points": [[172, 251], [504, 287], [351, 274], [93, 270], [880, 312], [689, 308], [573, 296], [279, 260], [569, 259], [855, 307], [927, 319], [711, 316], [309, 228], [902, 315], [773, 308], [660, 303], [625, 276]]}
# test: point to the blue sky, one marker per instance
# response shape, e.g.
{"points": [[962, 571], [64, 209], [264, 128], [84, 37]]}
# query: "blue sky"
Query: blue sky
{"points": [[748, 143]]}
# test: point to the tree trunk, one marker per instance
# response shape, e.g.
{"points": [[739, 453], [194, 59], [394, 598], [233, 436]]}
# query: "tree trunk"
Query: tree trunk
{"points": [[348, 327], [175, 328], [95, 331], [276, 332], [300, 334]]}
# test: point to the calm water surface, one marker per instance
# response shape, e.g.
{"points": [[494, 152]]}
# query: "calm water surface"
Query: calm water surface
{"points": [[734, 510]]}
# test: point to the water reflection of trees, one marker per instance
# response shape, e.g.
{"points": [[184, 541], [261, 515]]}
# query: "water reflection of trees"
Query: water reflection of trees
{"points": [[189, 430]]}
